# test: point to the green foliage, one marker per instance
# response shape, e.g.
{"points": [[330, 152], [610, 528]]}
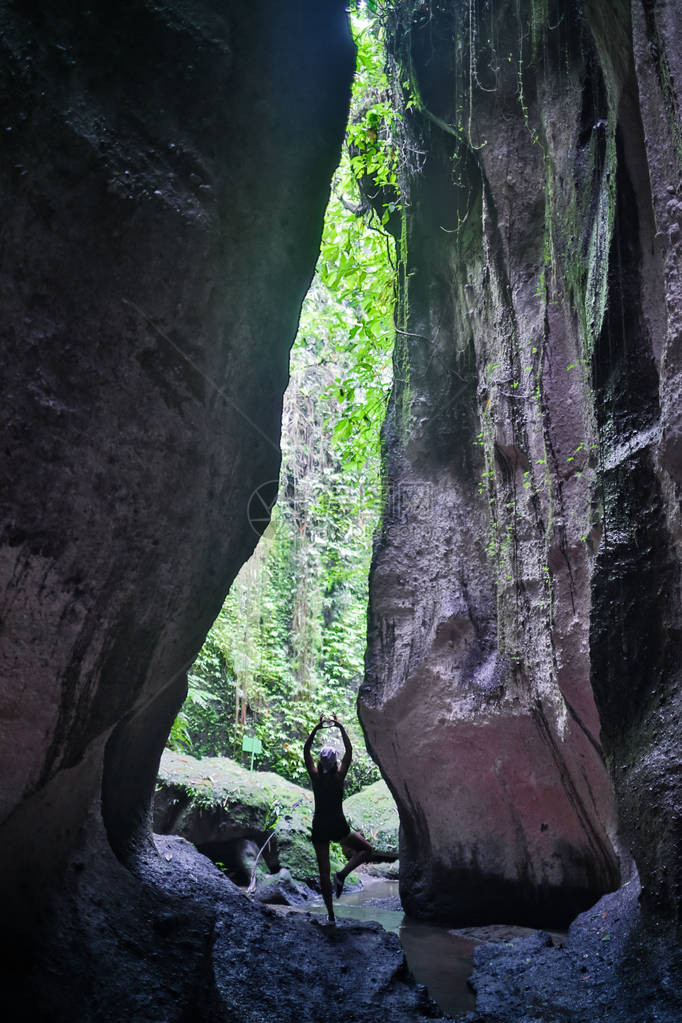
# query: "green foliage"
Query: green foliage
{"points": [[179, 739], [356, 264], [289, 641]]}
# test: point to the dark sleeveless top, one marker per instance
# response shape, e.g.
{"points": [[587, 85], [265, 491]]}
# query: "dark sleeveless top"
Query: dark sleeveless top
{"points": [[329, 824]]}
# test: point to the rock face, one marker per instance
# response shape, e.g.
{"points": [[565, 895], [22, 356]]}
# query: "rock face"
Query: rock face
{"points": [[523, 671], [165, 170], [611, 969], [228, 959]]}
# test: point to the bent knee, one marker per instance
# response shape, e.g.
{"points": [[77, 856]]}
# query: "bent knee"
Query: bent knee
{"points": [[358, 843]]}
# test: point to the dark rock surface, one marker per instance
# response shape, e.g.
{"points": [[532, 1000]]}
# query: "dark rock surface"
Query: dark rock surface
{"points": [[227, 959], [611, 969], [523, 673], [164, 174]]}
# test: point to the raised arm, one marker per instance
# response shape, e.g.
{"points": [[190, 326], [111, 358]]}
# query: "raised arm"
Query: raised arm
{"points": [[307, 758], [347, 749]]}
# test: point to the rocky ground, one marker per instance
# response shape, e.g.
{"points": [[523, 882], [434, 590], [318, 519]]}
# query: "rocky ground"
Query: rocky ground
{"points": [[610, 969], [185, 945], [172, 940], [268, 968]]}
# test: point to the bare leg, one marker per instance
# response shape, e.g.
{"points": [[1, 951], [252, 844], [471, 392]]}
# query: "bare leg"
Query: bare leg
{"points": [[322, 853], [361, 852]]}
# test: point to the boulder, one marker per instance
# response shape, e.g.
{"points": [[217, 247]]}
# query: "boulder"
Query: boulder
{"points": [[373, 813], [218, 805], [609, 968], [230, 813], [281, 889]]}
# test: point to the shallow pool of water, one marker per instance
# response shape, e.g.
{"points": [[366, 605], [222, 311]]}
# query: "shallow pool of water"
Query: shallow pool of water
{"points": [[440, 960]]}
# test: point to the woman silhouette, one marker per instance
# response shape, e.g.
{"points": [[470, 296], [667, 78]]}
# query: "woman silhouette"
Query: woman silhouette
{"points": [[329, 823]]}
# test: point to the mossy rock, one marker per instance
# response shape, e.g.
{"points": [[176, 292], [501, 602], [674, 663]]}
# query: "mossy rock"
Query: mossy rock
{"points": [[215, 800], [374, 814]]}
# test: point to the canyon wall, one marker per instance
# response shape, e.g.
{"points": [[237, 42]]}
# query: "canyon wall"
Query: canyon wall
{"points": [[522, 692], [165, 171]]}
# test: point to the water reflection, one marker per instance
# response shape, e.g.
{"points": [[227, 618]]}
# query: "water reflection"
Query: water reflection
{"points": [[440, 960]]}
